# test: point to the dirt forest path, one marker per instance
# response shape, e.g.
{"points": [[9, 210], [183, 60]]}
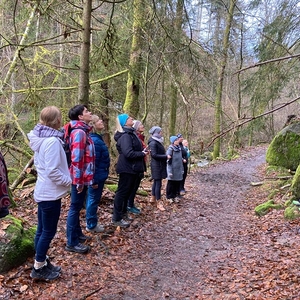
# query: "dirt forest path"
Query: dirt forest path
{"points": [[210, 246]]}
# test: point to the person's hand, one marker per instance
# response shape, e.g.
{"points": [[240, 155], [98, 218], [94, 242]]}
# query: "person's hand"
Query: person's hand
{"points": [[169, 157], [184, 160], [79, 188], [146, 151]]}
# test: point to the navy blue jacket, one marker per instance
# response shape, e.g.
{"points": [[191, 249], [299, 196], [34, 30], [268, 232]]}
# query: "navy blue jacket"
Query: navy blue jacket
{"points": [[102, 161], [131, 156], [158, 162]]}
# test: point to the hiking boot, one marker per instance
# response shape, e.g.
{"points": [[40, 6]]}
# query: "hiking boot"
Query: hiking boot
{"points": [[182, 192], [176, 200], [43, 273], [97, 228], [152, 199], [83, 238], [160, 206], [127, 218], [170, 200], [134, 210], [51, 267], [80, 248], [121, 223]]}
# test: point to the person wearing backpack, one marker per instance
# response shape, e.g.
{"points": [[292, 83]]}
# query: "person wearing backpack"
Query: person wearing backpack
{"points": [[53, 183], [129, 167], [102, 164], [82, 170]]}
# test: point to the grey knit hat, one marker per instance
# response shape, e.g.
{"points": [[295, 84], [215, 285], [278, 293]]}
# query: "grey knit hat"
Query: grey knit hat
{"points": [[136, 124], [155, 129]]}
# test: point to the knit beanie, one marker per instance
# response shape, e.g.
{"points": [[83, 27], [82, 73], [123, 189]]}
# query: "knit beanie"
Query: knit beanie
{"points": [[122, 119], [136, 124], [173, 138], [155, 129], [179, 135]]}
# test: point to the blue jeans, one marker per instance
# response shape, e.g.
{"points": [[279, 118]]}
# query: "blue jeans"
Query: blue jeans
{"points": [[92, 202], [73, 222], [48, 215]]}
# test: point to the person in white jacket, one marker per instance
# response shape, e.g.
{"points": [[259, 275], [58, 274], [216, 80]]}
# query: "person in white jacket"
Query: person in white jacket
{"points": [[53, 183]]}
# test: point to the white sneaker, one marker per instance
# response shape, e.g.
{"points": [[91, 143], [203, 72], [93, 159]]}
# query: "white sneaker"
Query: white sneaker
{"points": [[97, 228]]}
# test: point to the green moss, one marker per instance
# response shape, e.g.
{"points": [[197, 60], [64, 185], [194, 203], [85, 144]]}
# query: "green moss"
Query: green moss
{"points": [[142, 192], [112, 187], [264, 208], [284, 149], [19, 244], [291, 213], [295, 186]]}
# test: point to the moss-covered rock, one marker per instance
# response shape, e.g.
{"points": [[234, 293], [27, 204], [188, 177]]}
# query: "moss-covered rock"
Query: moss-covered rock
{"points": [[295, 186], [264, 208], [16, 243], [284, 149]]}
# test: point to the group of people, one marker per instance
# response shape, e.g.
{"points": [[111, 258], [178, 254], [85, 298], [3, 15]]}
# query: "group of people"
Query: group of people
{"points": [[84, 176], [131, 166]]}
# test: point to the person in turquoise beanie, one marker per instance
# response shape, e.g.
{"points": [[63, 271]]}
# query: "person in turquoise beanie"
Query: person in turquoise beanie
{"points": [[129, 167], [122, 119]]}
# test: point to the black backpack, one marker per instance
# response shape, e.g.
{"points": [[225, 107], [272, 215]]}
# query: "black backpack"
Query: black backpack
{"points": [[67, 129]]}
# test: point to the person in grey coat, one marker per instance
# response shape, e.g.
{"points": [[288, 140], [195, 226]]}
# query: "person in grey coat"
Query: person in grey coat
{"points": [[174, 169]]}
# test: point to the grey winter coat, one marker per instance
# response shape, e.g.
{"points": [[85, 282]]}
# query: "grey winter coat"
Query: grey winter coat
{"points": [[175, 164]]}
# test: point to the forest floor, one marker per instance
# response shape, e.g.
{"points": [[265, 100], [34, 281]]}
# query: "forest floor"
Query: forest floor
{"points": [[209, 246]]}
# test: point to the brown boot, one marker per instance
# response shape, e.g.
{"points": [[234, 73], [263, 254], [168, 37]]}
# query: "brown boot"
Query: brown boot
{"points": [[160, 205], [152, 199]]}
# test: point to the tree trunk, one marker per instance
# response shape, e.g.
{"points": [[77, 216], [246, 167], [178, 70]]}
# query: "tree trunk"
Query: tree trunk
{"points": [[131, 105], [84, 85], [221, 72]]}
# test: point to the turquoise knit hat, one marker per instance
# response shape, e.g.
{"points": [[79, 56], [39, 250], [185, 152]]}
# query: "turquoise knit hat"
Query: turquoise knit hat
{"points": [[122, 119], [173, 138]]}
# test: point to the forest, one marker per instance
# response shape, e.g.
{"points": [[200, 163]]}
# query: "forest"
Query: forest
{"points": [[224, 73]]}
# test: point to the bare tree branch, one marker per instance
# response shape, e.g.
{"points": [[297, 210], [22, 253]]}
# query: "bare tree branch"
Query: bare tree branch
{"points": [[251, 119]]}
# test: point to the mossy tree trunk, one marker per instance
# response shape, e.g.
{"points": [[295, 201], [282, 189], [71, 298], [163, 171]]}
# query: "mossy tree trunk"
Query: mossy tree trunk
{"points": [[131, 105]]}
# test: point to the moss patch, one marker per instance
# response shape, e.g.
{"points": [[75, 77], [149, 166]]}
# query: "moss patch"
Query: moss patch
{"points": [[284, 149], [17, 244], [264, 208]]}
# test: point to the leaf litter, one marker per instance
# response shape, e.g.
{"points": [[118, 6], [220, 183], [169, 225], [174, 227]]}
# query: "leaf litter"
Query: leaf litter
{"points": [[209, 246]]}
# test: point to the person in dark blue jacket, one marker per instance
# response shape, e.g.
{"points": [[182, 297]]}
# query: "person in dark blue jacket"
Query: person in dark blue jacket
{"points": [[102, 163], [129, 166], [158, 164]]}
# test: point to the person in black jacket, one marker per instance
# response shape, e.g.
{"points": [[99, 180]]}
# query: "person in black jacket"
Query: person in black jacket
{"points": [[158, 164], [129, 166]]}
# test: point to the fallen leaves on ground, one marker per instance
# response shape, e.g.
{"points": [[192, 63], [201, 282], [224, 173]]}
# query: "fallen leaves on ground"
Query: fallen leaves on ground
{"points": [[209, 246]]}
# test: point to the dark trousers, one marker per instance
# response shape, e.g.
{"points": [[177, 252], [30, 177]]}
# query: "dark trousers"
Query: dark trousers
{"points": [[134, 190], [156, 188], [173, 189], [126, 183], [48, 215], [185, 170]]}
